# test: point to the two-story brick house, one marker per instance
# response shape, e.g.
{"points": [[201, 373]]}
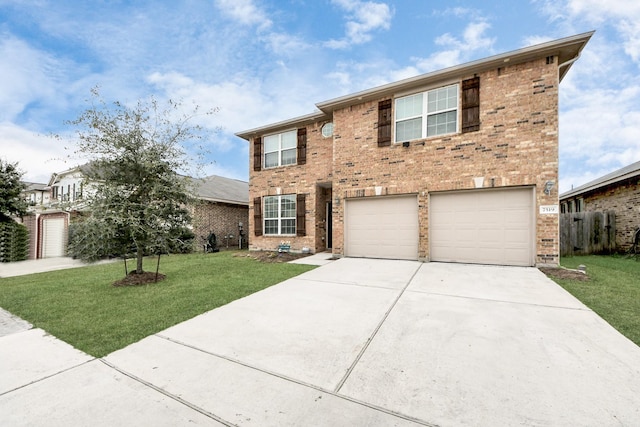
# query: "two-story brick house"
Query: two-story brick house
{"points": [[456, 165]]}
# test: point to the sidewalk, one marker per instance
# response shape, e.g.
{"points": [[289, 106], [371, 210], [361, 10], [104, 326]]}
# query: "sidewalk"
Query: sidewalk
{"points": [[20, 268]]}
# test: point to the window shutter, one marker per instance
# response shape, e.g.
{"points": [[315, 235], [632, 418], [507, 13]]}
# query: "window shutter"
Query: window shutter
{"points": [[302, 146], [384, 123], [471, 105], [257, 216], [301, 209], [257, 153]]}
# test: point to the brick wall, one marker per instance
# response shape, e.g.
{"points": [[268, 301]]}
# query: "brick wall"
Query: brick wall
{"points": [[624, 199], [222, 219], [31, 223], [517, 145], [307, 179]]}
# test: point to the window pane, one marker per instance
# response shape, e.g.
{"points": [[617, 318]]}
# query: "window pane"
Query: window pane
{"points": [[288, 157], [288, 207], [288, 226], [438, 124], [289, 139], [409, 106], [409, 129], [445, 98], [271, 160], [270, 226], [271, 207], [271, 143]]}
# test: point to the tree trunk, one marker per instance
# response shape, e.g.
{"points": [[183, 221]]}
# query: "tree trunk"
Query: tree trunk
{"points": [[139, 256]]}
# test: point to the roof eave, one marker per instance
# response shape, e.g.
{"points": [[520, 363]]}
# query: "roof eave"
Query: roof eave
{"points": [[566, 49], [213, 199], [294, 122], [588, 188]]}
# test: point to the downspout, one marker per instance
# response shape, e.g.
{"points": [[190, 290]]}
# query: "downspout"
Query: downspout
{"points": [[570, 61]]}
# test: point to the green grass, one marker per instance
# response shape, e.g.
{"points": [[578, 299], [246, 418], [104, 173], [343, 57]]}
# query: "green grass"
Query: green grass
{"points": [[81, 307], [613, 290]]}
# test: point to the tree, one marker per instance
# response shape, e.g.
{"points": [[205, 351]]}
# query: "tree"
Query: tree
{"points": [[137, 202], [12, 202]]}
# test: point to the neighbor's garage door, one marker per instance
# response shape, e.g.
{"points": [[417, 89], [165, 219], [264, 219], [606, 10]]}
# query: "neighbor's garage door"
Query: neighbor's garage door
{"points": [[383, 227], [482, 227], [53, 237]]}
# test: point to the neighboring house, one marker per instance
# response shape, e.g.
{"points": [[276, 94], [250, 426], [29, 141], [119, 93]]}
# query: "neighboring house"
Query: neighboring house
{"points": [[455, 165], [51, 208], [618, 191], [223, 209], [37, 194], [224, 204]]}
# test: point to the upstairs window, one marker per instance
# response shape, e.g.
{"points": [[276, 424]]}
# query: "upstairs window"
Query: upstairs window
{"points": [[280, 149], [427, 114]]}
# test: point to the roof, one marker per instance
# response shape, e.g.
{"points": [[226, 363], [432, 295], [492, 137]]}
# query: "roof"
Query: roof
{"points": [[220, 189], [35, 186], [84, 168], [567, 49], [627, 172]]}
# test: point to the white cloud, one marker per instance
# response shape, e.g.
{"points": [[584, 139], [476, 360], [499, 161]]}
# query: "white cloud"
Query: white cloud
{"points": [[285, 44], [363, 18], [38, 155], [456, 49], [599, 110], [245, 12], [24, 76]]}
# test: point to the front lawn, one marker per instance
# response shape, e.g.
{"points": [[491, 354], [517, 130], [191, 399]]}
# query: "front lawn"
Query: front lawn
{"points": [[612, 291], [81, 307]]}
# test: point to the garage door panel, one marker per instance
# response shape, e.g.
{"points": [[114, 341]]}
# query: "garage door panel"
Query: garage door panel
{"points": [[487, 227], [385, 227], [53, 237]]}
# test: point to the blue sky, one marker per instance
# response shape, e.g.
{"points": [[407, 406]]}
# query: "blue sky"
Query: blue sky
{"points": [[261, 61]]}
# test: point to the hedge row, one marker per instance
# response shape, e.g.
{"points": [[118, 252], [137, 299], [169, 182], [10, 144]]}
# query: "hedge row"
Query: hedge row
{"points": [[14, 242]]}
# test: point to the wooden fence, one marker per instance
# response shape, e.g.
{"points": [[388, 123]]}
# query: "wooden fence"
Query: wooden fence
{"points": [[584, 233]]}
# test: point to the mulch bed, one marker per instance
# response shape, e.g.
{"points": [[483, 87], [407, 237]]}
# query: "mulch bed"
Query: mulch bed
{"points": [[564, 273], [271, 256], [135, 279]]}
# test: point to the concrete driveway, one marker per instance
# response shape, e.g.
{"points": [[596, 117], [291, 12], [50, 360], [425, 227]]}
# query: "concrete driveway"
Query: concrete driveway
{"points": [[356, 342]]}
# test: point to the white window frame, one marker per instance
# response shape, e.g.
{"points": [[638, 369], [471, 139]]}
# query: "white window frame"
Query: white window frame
{"points": [[279, 218], [426, 113], [280, 151]]}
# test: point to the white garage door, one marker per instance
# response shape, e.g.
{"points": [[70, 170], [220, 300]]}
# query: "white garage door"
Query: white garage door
{"points": [[482, 227], [383, 227], [53, 237]]}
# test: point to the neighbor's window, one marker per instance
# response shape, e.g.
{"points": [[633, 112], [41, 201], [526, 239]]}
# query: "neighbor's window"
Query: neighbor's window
{"points": [[426, 114], [280, 149], [280, 215], [579, 205]]}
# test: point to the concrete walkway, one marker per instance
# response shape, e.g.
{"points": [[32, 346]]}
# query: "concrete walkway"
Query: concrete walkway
{"points": [[355, 342], [20, 268]]}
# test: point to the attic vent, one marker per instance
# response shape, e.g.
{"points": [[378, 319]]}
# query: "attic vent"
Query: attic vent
{"points": [[549, 60]]}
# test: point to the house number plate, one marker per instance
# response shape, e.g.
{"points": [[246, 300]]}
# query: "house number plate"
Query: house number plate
{"points": [[549, 209]]}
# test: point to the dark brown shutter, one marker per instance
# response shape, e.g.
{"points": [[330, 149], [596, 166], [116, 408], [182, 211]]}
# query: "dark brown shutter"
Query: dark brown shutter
{"points": [[384, 123], [257, 153], [302, 146], [257, 216], [471, 105], [301, 209]]}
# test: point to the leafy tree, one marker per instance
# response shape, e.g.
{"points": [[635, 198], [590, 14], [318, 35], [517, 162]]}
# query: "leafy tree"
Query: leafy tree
{"points": [[12, 202], [136, 198]]}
